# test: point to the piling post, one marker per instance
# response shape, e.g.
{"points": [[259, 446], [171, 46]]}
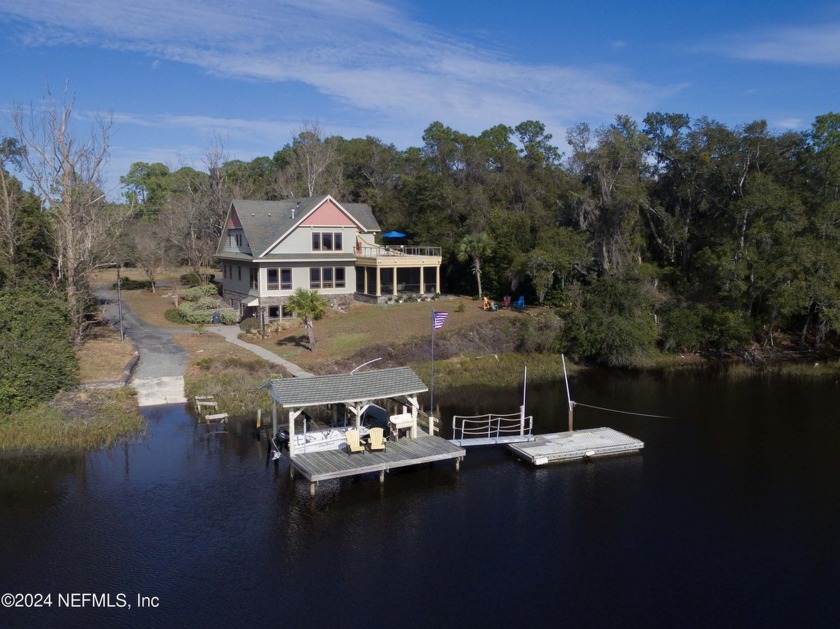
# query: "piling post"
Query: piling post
{"points": [[259, 419], [312, 489], [382, 477]]}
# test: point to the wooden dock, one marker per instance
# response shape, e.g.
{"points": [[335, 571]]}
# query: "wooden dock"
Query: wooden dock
{"points": [[580, 445], [330, 464]]}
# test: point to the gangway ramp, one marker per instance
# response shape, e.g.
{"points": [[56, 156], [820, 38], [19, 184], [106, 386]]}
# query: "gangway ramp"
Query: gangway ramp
{"points": [[491, 429]]}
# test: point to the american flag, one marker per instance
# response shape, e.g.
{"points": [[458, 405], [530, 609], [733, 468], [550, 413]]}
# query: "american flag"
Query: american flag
{"points": [[439, 318]]}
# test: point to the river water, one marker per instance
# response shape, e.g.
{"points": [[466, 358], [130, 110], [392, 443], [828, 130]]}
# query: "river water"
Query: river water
{"points": [[729, 518]]}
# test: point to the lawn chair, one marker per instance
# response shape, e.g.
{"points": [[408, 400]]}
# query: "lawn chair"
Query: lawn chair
{"points": [[520, 303], [353, 442], [506, 302], [377, 439]]}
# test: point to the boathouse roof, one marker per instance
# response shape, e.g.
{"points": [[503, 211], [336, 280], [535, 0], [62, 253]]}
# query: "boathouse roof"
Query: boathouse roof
{"points": [[348, 387]]}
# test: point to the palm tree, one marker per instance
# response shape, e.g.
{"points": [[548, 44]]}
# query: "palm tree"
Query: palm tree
{"points": [[309, 306], [474, 247]]}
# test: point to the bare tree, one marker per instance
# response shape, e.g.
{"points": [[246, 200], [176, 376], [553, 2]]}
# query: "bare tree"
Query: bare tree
{"points": [[11, 154], [66, 170], [314, 164], [187, 221], [149, 249]]}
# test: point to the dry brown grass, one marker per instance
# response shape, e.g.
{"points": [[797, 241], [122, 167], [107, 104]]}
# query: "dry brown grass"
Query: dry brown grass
{"points": [[340, 336], [103, 358], [229, 373]]}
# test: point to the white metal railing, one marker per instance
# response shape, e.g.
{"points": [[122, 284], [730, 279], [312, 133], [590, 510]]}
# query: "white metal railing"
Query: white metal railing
{"points": [[491, 427], [396, 251]]}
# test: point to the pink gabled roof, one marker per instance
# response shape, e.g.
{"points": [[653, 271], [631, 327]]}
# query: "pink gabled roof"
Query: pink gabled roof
{"points": [[328, 214]]}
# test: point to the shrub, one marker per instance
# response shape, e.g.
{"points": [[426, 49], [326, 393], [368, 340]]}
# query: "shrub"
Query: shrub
{"points": [[229, 318], [461, 307], [129, 284], [37, 358], [173, 316], [249, 324], [192, 279], [197, 293]]}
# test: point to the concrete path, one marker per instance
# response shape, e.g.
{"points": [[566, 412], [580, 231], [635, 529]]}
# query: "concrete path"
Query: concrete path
{"points": [[159, 376], [231, 334]]}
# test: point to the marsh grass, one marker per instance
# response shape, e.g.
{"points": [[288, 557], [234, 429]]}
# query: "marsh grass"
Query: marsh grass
{"points": [[74, 421]]}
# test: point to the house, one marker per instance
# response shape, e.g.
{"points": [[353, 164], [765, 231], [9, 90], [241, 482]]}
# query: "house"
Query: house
{"points": [[269, 249]]}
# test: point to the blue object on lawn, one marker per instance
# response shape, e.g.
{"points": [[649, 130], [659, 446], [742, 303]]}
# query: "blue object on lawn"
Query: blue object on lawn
{"points": [[519, 304]]}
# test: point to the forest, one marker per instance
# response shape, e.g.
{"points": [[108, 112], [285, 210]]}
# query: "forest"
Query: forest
{"points": [[668, 234]]}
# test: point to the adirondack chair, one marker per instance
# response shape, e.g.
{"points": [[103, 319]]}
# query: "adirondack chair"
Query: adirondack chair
{"points": [[353, 442], [519, 304], [377, 439]]}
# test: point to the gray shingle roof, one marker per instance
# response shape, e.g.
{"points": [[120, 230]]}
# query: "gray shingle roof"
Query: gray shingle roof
{"points": [[351, 387], [264, 222]]}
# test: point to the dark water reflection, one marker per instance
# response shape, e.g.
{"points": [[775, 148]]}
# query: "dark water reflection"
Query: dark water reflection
{"points": [[729, 518]]}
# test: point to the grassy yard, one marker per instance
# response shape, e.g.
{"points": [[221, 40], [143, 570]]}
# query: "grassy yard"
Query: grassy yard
{"points": [[103, 358]]}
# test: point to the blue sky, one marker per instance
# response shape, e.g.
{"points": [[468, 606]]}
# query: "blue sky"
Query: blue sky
{"points": [[178, 73]]}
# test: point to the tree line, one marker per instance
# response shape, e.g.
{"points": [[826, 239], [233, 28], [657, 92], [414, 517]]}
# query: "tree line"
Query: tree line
{"points": [[669, 233]]}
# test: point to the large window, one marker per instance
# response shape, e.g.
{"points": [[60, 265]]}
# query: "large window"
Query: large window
{"points": [[285, 279], [327, 241], [327, 277], [254, 277], [279, 279]]}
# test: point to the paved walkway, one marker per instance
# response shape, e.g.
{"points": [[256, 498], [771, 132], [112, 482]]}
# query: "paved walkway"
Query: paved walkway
{"points": [[231, 334]]}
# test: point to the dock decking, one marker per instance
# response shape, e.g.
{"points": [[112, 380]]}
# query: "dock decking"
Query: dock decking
{"points": [[330, 464], [561, 447]]}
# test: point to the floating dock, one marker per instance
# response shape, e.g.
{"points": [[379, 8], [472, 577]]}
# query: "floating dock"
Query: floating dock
{"points": [[579, 445], [330, 464]]}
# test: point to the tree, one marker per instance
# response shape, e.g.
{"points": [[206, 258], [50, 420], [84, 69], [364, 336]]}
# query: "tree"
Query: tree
{"points": [[149, 250], [474, 248], [313, 164], [11, 154], [66, 170], [188, 221], [310, 306], [37, 360]]}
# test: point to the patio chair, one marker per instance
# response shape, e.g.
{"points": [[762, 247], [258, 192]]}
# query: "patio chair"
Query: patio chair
{"points": [[520, 303], [353, 442], [377, 439], [506, 302]]}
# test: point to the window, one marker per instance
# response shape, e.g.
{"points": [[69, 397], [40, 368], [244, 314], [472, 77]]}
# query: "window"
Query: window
{"points": [[254, 277], [238, 240], [327, 277], [327, 241], [239, 268], [279, 279]]}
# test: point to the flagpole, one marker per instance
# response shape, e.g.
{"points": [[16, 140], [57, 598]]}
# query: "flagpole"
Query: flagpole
{"points": [[432, 383]]}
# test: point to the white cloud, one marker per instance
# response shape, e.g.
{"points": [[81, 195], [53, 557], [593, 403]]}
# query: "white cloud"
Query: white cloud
{"points": [[363, 54], [807, 45]]}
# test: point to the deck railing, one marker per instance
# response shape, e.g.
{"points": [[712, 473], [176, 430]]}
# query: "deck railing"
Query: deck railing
{"points": [[491, 428], [397, 251]]}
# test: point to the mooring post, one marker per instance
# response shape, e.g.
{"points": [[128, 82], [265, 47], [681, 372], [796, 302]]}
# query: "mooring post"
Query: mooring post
{"points": [[312, 489], [571, 416], [259, 419], [382, 477]]}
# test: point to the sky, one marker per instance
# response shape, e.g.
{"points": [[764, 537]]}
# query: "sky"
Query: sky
{"points": [[180, 76]]}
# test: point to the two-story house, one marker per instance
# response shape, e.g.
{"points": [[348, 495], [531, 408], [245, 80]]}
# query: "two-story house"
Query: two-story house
{"points": [[268, 249]]}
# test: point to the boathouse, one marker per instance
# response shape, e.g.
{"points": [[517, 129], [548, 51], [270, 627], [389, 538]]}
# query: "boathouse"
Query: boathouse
{"points": [[322, 455]]}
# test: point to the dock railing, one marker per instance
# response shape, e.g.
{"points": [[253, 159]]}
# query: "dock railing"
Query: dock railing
{"points": [[491, 428]]}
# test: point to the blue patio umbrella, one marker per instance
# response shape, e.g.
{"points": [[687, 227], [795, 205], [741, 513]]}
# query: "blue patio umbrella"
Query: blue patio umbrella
{"points": [[393, 234]]}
